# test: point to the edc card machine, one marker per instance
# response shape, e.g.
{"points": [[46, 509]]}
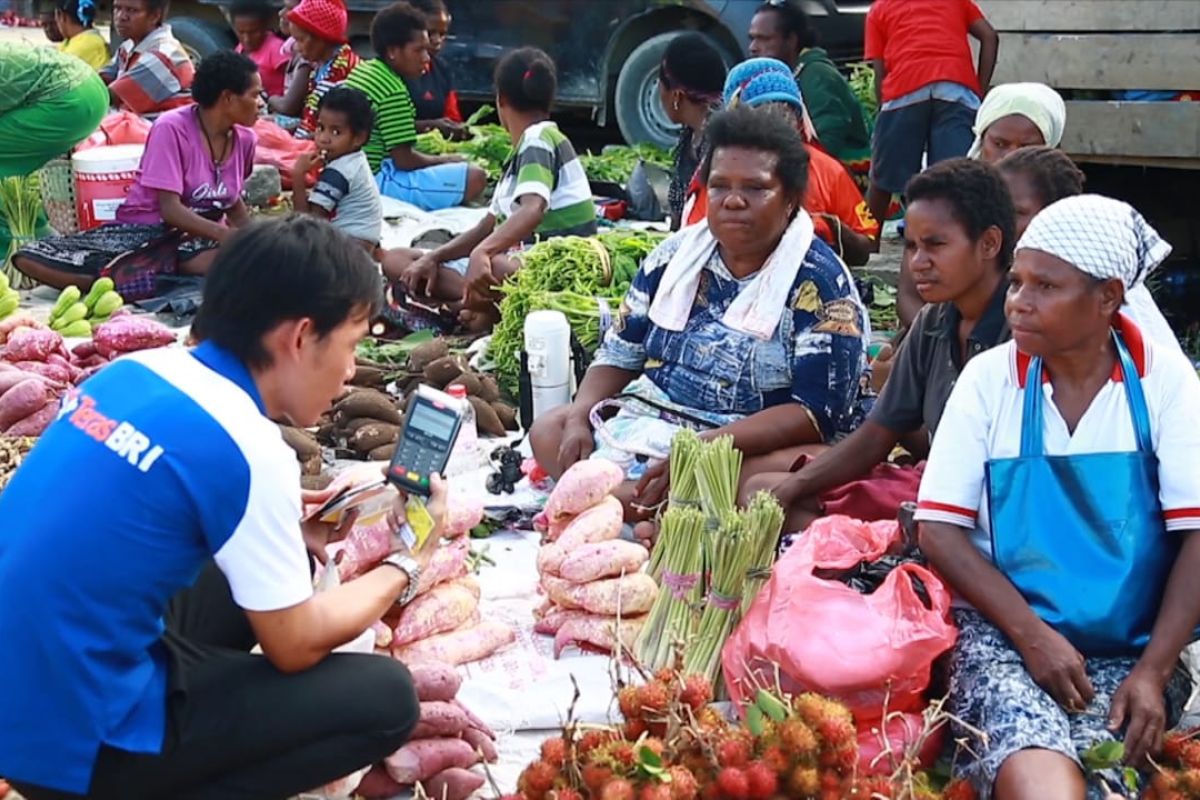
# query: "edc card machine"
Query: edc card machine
{"points": [[430, 428]]}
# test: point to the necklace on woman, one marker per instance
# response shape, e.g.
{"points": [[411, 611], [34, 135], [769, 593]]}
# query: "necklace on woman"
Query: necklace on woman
{"points": [[212, 150]]}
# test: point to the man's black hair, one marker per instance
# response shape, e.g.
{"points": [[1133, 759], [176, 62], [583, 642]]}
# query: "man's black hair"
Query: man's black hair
{"points": [[257, 9], [693, 64], [396, 26], [756, 129], [157, 5], [1051, 172], [527, 79], [221, 71], [351, 102], [430, 8], [283, 269], [977, 196], [792, 21]]}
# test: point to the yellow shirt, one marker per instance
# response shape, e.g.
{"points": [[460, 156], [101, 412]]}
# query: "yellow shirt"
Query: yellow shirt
{"points": [[88, 46]]}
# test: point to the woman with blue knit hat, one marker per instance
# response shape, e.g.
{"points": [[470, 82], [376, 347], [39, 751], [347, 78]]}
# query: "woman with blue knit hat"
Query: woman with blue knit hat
{"points": [[840, 215]]}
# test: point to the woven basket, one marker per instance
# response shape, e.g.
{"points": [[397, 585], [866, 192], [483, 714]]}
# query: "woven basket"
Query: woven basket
{"points": [[58, 196]]}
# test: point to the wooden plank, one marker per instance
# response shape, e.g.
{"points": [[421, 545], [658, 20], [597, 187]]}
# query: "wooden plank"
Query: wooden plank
{"points": [[1092, 15], [1131, 131], [1101, 60]]}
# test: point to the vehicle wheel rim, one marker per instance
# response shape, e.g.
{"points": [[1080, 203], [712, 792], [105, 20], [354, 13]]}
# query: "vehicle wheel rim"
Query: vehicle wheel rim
{"points": [[653, 115]]}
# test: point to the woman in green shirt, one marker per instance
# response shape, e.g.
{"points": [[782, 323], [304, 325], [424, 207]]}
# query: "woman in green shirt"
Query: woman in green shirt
{"points": [[51, 102]]}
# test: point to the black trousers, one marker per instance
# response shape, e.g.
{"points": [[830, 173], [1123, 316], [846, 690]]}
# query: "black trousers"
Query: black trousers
{"points": [[238, 729]]}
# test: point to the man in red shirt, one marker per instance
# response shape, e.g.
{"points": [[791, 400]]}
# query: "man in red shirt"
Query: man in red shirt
{"points": [[927, 86]]}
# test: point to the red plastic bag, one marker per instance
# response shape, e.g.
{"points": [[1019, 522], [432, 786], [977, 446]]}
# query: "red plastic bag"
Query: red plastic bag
{"points": [[118, 127], [883, 746], [281, 149], [872, 652]]}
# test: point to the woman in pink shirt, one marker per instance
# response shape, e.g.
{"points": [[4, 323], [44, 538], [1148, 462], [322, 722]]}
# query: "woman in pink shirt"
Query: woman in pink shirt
{"points": [[252, 24], [186, 198]]}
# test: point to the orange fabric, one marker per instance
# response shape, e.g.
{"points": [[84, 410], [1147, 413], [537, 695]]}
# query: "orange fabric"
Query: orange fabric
{"points": [[922, 42], [831, 190], [452, 112]]}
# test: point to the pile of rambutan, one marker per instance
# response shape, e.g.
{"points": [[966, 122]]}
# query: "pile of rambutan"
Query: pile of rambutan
{"points": [[1177, 770], [675, 746]]}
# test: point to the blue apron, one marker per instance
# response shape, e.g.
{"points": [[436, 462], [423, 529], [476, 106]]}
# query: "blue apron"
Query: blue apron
{"points": [[1082, 537]]}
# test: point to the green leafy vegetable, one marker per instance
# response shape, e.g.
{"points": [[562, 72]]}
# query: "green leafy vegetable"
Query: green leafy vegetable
{"points": [[615, 164], [862, 83], [490, 146], [396, 354], [20, 207]]}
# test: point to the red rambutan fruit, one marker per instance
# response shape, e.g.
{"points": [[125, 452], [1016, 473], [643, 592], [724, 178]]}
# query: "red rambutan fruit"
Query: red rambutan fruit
{"points": [[617, 790], [554, 751], [761, 780], [733, 783], [683, 784]]}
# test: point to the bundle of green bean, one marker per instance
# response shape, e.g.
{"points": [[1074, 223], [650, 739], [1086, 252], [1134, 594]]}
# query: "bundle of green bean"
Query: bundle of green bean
{"points": [[577, 275]]}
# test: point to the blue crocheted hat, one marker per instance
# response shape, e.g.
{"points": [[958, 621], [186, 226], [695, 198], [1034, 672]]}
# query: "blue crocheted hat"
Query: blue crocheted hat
{"points": [[761, 80]]}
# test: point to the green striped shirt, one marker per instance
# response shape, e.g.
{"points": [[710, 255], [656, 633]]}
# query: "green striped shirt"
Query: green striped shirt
{"points": [[395, 114], [545, 164]]}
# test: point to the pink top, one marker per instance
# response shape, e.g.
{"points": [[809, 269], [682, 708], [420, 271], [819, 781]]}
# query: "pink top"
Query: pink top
{"points": [[177, 159], [272, 60]]}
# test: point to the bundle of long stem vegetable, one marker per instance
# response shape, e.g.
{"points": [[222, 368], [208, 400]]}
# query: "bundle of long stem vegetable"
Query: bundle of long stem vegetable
{"points": [[567, 274], [685, 449], [718, 470], [671, 618], [727, 555], [20, 207], [763, 522]]}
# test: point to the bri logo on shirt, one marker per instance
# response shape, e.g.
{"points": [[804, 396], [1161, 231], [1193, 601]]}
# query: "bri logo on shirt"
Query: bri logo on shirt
{"points": [[119, 437]]}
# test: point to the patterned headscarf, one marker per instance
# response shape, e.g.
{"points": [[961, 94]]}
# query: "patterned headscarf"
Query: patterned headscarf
{"points": [[1103, 237]]}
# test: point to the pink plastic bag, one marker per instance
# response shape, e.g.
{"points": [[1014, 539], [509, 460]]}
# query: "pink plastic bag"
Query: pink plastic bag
{"points": [[118, 127], [869, 651], [281, 149], [883, 747]]}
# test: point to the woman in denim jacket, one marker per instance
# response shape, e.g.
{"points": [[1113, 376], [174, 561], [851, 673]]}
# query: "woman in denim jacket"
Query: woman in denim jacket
{"points": [[743, 324]]}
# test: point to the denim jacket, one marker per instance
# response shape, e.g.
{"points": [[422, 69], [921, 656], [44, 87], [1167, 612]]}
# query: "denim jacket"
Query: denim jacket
{"points": [[817, 356]]}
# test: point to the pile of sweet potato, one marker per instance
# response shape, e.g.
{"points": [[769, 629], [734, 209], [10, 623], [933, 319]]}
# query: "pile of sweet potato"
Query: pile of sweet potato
{"points": [[596, 592]]}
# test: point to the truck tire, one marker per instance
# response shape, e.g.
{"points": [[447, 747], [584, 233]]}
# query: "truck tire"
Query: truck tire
{"points": [[640, 115], [200, 37]]}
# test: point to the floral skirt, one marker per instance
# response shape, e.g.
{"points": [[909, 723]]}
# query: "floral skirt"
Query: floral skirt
{"points": [[992, 692]]}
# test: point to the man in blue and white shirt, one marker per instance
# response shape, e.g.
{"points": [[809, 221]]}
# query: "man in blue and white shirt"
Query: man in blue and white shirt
{"points": [[127, 666]]}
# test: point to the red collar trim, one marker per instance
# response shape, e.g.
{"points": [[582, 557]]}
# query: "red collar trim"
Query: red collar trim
{"points": [[1134, 340]]}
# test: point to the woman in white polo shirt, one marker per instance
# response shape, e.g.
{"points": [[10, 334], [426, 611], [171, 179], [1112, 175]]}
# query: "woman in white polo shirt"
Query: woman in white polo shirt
{"points": [[1067, 520]]}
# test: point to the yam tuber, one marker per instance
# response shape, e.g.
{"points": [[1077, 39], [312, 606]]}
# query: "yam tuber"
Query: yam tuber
{"points": [[377, 434], [455, 783], [442, 609], [435, 681], [300, 441], [440, 718], [371, 404], [550, 558], [459, 647], [628, 595], [486, 419], [421, 759], [582, 486], [591, 562], [598, 524], [426, 353], [598, 632]]}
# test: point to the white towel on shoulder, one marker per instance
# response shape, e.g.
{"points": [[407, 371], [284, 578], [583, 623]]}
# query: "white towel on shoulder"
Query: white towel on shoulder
{"points": [[758, 307]]}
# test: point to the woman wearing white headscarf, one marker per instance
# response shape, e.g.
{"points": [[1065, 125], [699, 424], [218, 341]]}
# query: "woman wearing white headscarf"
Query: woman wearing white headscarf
{"points": [[1062, 504], [1017, 115]]}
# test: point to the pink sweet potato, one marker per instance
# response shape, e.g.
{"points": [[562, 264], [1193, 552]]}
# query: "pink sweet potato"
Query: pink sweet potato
{"points": [[383, 635], [482, 743], [599, 633], [440, 719], [12, 376], [549, 624], [27, 397], [582, 486], [127, 334], [27, 344], [628, 595], [476, 722], [446, 564], [435, 681], [378, 785], [444, 608], [599, 523], [549, 558], [57, 360], [36, 423], [421, 759], [590, 562], [342, 788], [455, 783], [55, 372], [464, 510], [459, 647], [85, 349], [364, 547]]}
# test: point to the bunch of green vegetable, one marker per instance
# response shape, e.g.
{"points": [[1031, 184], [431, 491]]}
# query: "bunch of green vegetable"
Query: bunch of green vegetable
{"points": [[615, 163], [882, 310], [20, 207], [679, 550], [489, 145], [685, 450], [584, 277], [862, 83], [763, 520]]}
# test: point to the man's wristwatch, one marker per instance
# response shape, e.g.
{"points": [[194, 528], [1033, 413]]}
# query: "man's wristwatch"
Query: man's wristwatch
{"points": [[409, 566]]}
